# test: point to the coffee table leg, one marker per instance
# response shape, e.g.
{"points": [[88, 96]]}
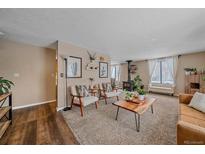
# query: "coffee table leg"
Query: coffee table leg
{"points": [[138, 125], [117, 113], [152, 108], [136, 122]]}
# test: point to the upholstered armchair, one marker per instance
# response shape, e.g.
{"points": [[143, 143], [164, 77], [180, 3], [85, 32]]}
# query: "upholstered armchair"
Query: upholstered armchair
{"points": [[106, 91], [82, 98]]}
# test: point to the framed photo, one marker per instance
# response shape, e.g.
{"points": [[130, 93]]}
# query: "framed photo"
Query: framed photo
{"points": [[103, 70], [74, 67]]}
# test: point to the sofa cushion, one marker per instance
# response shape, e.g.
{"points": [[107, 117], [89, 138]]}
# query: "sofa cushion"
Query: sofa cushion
{"points": [[191, 115], [198, 102]]}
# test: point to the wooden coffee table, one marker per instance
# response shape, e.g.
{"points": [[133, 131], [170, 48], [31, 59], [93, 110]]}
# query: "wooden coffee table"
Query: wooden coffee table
{"points": [[137, 107]]}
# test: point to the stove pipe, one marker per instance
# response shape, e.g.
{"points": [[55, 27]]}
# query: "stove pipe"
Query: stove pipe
{"points": [[129, 75]]}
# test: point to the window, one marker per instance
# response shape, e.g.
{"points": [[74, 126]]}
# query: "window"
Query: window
{"points": [[115, 72], [163, 71]]}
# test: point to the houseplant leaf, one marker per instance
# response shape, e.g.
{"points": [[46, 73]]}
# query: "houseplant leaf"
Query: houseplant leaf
{"points": [[5, 85]]}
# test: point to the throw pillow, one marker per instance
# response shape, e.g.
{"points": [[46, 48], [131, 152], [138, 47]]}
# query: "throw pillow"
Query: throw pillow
{"points": [[109, 87], [198, 102], [82, 90]]}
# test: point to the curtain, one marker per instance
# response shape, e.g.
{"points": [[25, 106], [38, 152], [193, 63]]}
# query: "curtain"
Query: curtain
{"points": [[175, 66], [115, 72], [152, 64], [112, 72], [118, 72], [172, 64]]}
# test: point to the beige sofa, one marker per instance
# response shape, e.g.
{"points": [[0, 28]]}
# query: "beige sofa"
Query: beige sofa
{"points": [[191, 124]]}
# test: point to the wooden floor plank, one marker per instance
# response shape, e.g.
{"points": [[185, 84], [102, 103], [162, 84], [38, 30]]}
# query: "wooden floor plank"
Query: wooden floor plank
{"points": [[3, 127], [54, 132], [30, 134], [43, 137], [38, 125]]}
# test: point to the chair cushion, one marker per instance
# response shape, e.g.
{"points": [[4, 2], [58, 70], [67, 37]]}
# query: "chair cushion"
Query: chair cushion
{"points": [[112, 94], [82, 90], [89, 100], [198, 102], [191, 115]]}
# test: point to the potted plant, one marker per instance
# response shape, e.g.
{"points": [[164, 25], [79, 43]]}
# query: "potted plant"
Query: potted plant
{"points": [[203, 70], [189, 71], [141, 93], [128, 95], [195, 71], [203, 78], [137, 83], [113, 83], [5, 85]]}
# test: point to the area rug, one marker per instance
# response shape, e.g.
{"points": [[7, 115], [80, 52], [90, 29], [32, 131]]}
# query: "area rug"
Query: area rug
{"points": [[98, 126]]}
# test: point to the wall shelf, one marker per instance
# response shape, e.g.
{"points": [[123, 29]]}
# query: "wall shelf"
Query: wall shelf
{"points": [[194, 83]]}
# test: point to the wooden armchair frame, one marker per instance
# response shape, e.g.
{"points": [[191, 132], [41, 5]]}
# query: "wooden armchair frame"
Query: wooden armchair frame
{"points": [[102, 94], [80, 104]]}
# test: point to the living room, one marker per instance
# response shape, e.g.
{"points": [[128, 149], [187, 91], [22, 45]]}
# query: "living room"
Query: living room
{"points": [[101, 76]]}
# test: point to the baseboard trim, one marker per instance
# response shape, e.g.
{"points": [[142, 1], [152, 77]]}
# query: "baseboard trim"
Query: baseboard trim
{"points": [[60, 108], [33, 104]]}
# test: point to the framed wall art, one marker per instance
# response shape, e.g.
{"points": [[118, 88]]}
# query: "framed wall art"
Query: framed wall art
{"points": [[74, 67], [103, 70]]}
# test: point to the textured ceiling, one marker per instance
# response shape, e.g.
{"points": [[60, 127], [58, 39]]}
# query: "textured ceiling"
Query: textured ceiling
{"points": [[121, 33]]}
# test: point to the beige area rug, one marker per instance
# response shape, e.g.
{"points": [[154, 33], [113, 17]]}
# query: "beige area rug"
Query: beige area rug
{"points": [[100, 127]]}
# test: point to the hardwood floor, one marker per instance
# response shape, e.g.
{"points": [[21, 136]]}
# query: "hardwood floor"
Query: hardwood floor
{"points": [[38, 125]]}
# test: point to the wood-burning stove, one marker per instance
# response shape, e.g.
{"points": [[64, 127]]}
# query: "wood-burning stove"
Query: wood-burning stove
{"points": [[128, 85]]}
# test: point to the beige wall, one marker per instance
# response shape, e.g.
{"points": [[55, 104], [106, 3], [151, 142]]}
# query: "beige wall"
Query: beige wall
{"points": [[32, 69], [188, 60], [142, 70], [123, 72], [66, 49], [192, 61]]}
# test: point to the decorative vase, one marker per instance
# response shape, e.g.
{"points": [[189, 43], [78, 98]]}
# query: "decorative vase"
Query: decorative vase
{"points": [[141, 97]]}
